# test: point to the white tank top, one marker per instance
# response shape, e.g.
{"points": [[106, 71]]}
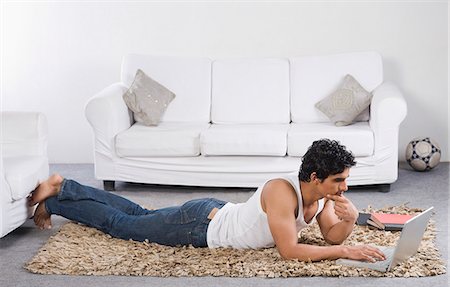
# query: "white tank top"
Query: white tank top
{"points": [[245, 225]]}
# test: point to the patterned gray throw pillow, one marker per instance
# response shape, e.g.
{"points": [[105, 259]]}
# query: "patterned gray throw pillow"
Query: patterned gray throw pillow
{"points": [[148, 99], [349, 103]]}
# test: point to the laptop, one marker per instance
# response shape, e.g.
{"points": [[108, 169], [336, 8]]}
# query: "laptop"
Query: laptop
{"points": [[407, 245]]}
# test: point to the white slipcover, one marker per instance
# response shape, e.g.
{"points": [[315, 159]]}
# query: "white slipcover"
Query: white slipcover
{"points": [[357, 137], [23, 164], [245, 139], [261, 119], [315, 77], [166, 139], [188, 78], [22, 173], [250, 91]]}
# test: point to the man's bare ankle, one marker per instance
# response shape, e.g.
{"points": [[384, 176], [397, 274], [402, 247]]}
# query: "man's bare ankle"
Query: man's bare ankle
{"points": [[56, 182]]}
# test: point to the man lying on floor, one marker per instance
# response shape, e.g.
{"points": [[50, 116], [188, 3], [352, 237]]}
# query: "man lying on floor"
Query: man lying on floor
{"points": [[273, 216]]}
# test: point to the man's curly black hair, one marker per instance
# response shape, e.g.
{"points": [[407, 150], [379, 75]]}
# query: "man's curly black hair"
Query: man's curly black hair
{"points": [[325, 157]]}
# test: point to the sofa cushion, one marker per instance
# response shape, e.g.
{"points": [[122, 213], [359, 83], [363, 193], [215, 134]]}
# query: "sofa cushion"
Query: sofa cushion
{"points": [[246, 139], [148, 99], [358, 138], [188, 77], [250, 91], [314, 78], [166, 139], [346, 103], [24, 173]]}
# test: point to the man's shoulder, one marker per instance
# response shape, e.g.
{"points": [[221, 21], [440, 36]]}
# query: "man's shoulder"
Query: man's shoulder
{"points": [[279, 188], [278, 184]]}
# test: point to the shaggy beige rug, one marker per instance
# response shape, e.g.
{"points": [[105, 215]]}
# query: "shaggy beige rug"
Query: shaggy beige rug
{"points": [[80, 250]]}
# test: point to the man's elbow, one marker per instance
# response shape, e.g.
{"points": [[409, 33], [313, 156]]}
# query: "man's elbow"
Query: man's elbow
{"points": [[290, 254], [285, 254], [332, 241], [335, 238]]}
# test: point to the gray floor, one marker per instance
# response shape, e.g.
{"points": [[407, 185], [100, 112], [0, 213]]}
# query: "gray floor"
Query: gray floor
{"points": [[418, 189]]}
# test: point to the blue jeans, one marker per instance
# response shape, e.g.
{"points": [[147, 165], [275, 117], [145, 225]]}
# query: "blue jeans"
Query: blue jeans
{"points": [[180, 225]]}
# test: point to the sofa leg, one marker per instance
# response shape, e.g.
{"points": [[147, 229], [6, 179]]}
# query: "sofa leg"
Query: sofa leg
{"points": [[108, 185], [384, 188], [378, 187]]}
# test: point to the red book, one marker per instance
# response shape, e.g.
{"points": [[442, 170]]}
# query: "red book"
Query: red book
{"points": [[386, 218], [389, 222]]}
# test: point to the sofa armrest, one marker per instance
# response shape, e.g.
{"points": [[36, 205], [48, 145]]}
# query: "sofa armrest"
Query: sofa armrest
{"points": [[387, 111], [388, 107], [108, 115], [23, 134], [5, 191]]}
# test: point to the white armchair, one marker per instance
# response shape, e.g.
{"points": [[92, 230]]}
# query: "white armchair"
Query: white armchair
{"points": [[23, 164]]}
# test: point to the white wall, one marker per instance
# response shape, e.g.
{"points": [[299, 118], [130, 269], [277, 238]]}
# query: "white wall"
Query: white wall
{"points": [[55, 56]]}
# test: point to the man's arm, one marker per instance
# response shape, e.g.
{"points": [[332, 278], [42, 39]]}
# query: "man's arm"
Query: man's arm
{"points": [[337, 219], [279, 201]]}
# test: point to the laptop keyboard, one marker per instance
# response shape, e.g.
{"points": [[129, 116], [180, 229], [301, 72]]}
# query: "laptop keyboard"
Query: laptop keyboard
{"points": [[388, 252], [377, 265]]}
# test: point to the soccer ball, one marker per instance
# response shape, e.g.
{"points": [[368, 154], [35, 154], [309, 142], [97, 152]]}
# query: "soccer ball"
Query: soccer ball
{"points": [[423, 154]]}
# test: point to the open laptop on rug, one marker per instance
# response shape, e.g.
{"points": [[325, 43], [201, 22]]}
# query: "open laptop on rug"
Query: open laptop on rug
{"points": [[407, 245]]}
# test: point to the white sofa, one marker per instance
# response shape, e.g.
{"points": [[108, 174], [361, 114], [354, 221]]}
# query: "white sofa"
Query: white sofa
{"points": [[237, 122], [23, 164]]}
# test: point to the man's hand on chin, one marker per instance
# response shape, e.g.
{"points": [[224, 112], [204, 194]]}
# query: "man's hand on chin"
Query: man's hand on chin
{"points": [[344, 208]]}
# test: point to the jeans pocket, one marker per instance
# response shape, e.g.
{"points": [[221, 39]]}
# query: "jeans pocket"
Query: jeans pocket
{"points": [[177, 216]]}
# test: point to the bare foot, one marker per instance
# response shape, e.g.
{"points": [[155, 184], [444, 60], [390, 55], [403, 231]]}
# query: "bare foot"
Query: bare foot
{"points": [[41, 217], [46, 189]]}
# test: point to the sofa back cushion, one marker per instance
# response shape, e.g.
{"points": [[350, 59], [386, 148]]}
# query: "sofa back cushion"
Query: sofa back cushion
{"points": [[250, 91], [314, 78], [188, 77]]}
